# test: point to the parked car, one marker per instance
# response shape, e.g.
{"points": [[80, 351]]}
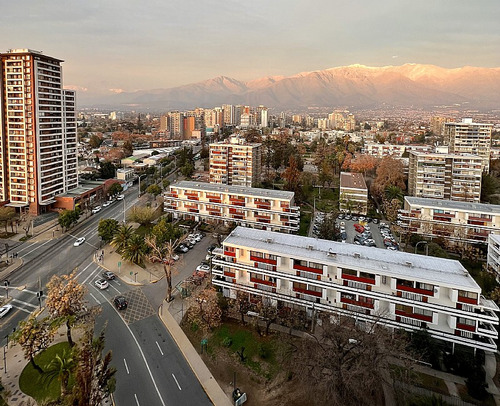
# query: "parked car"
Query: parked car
{"points": [[347, 216], [375, 221], [120, 197], [367, 228], [203, 268], [354, 218], [359, 228], [96, 209], [382, 224], [108, 275], [120, 302], [341, 216], [101, 283], [343, 236], [4, 310], [106, 203], [79, 242], [182, 249]]}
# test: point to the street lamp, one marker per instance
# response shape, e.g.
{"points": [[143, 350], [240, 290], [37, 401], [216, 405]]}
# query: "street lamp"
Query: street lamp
{"points": [[140, 176], [124, 209]]}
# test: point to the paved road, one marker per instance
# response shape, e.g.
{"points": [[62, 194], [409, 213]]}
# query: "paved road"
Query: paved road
{"points": [[136, 336]]}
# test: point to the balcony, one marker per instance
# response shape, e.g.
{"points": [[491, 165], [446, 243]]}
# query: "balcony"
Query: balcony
{"points": [[415, 290], [468, 300], [308, 269], [265, 260], [230, 274], [356, 309], [357, 302], [357, 285], [236, 202], [417, 316], [263, 206], [358, 279], [308, 292], [412, 296], [410, 321], [466, 327], [262, 281], [488, 329], [266, 288]]}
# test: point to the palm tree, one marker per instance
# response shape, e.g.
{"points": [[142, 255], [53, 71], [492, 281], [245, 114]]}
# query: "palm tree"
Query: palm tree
{"points": [[164, 253], [121, 238], [135, 251], [393, 192], [61, 368]]}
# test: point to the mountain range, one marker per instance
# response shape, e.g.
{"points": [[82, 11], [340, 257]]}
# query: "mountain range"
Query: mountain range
{"points": [[354, 86]]}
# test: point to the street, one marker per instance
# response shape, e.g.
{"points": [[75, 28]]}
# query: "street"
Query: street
{"points": [[150, 367]]}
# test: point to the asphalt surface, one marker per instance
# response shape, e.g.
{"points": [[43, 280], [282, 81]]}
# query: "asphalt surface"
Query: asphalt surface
{"points": [[136, 336]]}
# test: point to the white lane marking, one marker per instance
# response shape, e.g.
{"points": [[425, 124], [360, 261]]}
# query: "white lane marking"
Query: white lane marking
{"points": [[161, 352], [27, 246], [175, 379], [83, 270], [29, 291], [91, 275], [126, 366], [118, 283], [95, 298], [137, 400], [140, 351], [34, 249], [112, 287], [25, 303], [22, 309]]}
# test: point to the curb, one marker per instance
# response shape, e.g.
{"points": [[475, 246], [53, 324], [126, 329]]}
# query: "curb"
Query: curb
{"points": [[132, 283]]}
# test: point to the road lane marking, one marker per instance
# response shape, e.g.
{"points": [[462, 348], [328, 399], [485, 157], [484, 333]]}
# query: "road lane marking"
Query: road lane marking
{"points": [[161, 352], [175, 379], [22, 309], [126, 366], [95, 298], [137, 400], [91, 275], [111, 286], [29, 291], [83, 270], [34, 249], [25, 303], [27, 246]]}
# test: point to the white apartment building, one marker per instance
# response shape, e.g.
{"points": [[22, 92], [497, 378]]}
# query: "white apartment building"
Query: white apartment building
{"points": [[469, 138], [353, 193], [457, 222], [382, 150], [445, 176], [235, 163], [259, 208], [38, 142], [493, 259], [397, 289]]}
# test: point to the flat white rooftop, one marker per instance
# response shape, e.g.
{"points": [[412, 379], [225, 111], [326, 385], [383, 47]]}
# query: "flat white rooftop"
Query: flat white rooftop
{"points": [[437, 271], [454, 205]]}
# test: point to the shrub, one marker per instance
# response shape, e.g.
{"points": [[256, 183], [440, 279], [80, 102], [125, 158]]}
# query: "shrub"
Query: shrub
{"points": [[227, 341]]}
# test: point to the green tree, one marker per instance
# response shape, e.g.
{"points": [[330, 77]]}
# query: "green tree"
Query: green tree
{"points": [[165, 183], [328, 228], [107, 228], [115, 189], [142, 215], [393, 192], [121, 238], [7, 216], [187, 170], [107, 170], [164, 253], [165, 231], [154, 189], [61, 367], [135, 250], [68, 217]]}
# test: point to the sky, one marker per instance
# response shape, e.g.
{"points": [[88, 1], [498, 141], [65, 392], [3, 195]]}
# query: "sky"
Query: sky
{"points": [[126, 45]]}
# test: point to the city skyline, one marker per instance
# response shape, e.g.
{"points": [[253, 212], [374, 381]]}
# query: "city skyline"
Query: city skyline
{"points": [[124, 46]]}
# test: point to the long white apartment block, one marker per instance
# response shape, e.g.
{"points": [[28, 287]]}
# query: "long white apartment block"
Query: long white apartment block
{"points": [[493, 259], [397, 289], [461, 222], [381, 150], [253, 207]]}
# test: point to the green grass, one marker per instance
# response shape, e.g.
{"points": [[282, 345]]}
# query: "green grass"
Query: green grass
{"points": [[31, 381], [305, 220], [144, 230]]}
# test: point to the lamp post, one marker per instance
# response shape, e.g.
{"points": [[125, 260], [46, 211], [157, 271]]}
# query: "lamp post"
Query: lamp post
{"points": [[124, 209], [140, 184], [426, 247]]}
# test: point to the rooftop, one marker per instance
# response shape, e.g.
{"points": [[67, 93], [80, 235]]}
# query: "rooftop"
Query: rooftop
{"points": [[237, 190], [439, 271], [352, 180], [454, 205]]}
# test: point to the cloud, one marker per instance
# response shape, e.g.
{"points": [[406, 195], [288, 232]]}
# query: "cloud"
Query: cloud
{"points": [[76, 88], [117, 91]]}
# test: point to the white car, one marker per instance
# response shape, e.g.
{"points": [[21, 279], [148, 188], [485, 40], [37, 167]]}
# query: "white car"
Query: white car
{"points": [[120, 197], [79, 242], [203, 268], [106, 204], [197, 237], [367, 228], [175, 257], [101, 283], [96, 209], [4, 310]]}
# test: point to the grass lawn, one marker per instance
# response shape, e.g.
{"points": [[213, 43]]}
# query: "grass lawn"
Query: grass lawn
{"points": [[31, 381], [305, 220]]}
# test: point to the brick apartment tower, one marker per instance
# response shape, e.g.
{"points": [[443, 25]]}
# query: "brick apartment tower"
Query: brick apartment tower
{"points": [[38, 141]]}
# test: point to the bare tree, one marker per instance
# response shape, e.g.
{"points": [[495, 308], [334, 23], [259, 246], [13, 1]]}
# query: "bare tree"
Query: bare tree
{"points": [[242, 304], [204, 309]]}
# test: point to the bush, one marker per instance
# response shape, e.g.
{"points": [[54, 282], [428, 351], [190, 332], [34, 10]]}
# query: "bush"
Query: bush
{"points": [[264, 351], [227, 341]]}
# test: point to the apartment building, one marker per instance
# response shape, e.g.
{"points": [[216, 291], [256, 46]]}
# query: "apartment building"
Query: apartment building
{"points": [[235, 163], [38, 142], [382, 150], [493, 259], [353, 193], [259, 208], [469, 138], [397, 289], [437, 124], [445, 176], [457, 222]]}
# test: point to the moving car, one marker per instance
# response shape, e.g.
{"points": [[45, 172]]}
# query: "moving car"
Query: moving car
{"points": [[96, 209], [101, 283], [120, 302], [106, 204], [120, 197], [108, 275], [4, 310], [79, 242]]}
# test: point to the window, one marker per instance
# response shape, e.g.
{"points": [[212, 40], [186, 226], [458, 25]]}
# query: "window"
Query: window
{"points": [[350, 272], [367, 275], [467, 322], [405, 309], [404, 282], [424, 286], [469, 295]]}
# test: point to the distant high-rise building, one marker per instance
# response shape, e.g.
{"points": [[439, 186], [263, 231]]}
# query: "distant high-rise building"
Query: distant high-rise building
{"points": [[38, 142], [297, 119], [469, 138], [323, 123], [437, 124], [176, 124], [164, 123], [229, 114], [189, 124], [350, 123], [235, 163], [264, 119]]}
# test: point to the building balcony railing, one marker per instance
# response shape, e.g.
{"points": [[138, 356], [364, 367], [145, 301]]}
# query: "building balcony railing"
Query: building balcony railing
{"points": [[230, 274], [357, 285], [263, 206], [265, 260], [358, 279], [308, 292], [417, 316], [266, 288], [230, 253], [356, 309], [487, 329], [412, 296], [308, 269], [262, 281], [357, 302], [410, 321], [468, 300], [466, 327], [415, 290]]}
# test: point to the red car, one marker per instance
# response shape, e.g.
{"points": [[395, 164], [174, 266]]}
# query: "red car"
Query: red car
{"points": [[359, 228]]}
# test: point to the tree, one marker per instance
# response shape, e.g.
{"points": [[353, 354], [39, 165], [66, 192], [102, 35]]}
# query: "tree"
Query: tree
{"points": [[115, 189], [391, 208], [60, 368], [155, 190], [268, 312], [128, 148], [34, 336], [328, 229], [392, 192], [165, 183], [7, 216], [242, 304], [68, 217], [121, 238], [95, 141], [95, 378], [164, 252], [135, 250], [204, 309], [187, 170], [66, 300], [107, 170], [165, 231], [363, 163], [107, 228], [292, 175], [142, 215], [390, 172]]}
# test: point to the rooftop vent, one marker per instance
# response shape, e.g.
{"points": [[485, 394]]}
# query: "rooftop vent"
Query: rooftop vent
{"points": [[310, 247], [331, 253], [357, 255], [409, 264], [269, 240]]}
